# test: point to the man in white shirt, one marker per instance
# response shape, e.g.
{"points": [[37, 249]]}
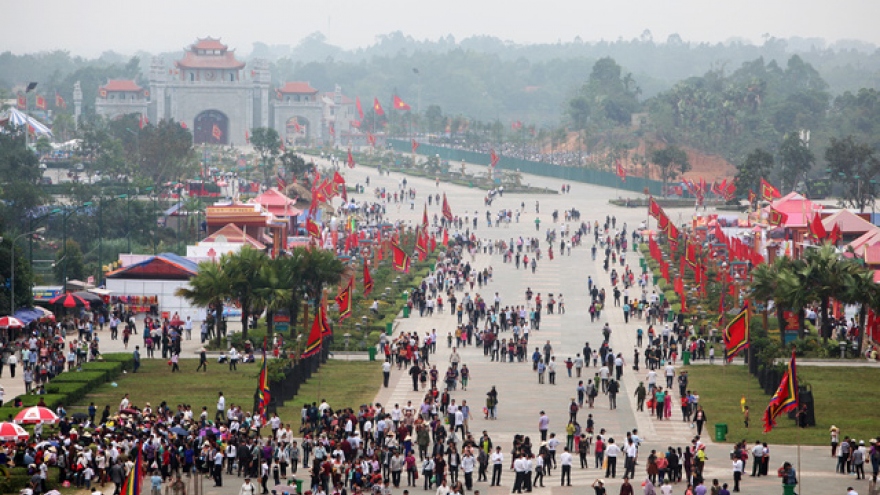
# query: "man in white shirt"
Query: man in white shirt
{"points": [[611, 453], [468, 462], [497, 460], [737, 473], [221, 407], [386, 372], [519, 468], [670, 374], [632, 452], [565, 460]]}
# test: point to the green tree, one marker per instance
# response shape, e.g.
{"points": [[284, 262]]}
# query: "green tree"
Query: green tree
{"points": [[242, 268], [271, 291], [267, 143], [165, 152], [210, 287], [69, 263], [19, 177], [320, 268], [765, 288], [672, 161], [296, 164], [757, 164], [796, 160], [23, 275], [853, 167]]}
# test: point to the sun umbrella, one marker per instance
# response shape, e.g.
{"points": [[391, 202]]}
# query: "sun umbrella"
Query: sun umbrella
{"points": [[80, 416], [70, 300], [176, 322], [131, 411], [10, 322], [12, 432], [179, 431], [35, 415]]}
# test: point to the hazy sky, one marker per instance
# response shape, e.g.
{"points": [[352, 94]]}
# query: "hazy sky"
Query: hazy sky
{"points": [[89, 27]]}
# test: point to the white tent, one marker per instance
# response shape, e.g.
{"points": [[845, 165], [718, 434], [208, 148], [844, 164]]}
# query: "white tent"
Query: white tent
{"points": [[18, 118]]}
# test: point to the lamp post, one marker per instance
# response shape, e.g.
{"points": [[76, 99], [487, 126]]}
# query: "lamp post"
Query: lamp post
{"points": [[67, 213], [149, 191], [31, 223], [12, 268]]}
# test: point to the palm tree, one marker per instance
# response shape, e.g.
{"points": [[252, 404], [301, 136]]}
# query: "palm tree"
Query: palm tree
{"points": [[271, 292], [765, 287], [242, 269], [289, 269], [209, 288], [827, 276], [319, 268], [866, 293]]}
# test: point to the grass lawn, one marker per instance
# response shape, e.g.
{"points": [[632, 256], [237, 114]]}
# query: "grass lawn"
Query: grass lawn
{"points": [[342, 383], [839, 400]]}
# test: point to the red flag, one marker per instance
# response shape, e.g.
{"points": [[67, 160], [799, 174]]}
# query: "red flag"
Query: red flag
{"points": [[216, 132], [350, 160], [143, 121], [768, 191], [344, 300], [447, 211], [313, 229], [59, 101], [654, 208], [621, 172], [425, 217], [22, 101], [332, 129], [399, 104], [263, 387], [326, 329], [776, 217], [183, 125], [752, 197], [338, 179], [736, 334], [280, 182], [817, 230], [368, 280], [835, 235], [400, 259], [415, 145], [445, 237], [422, 243], [786, 397], [296, 127], [377, 108], [493, 158], [41, 102], [355, 123], [371, 139], [360, 109], [316, 337], [433, 244]]}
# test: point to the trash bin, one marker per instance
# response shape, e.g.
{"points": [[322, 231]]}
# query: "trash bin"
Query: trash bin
{"points": [[372, 352], [721, 432], [788, 489], [685, 356], [299, 483], [388, 328], [406, 311]]}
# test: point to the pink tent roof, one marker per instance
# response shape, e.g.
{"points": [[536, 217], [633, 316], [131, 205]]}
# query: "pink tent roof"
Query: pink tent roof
{"points": [[799, 209], [849, 222], [868, 238], [277, 203], [232, 233]]}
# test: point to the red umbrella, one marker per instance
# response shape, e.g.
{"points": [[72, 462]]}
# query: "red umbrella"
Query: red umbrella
{"points": [[35, 415], [176, 322], [12, 432], [10, 322], [70, 300]]}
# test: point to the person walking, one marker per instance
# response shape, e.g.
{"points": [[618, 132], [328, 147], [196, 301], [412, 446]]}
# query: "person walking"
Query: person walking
{"points": [[565, 461]]}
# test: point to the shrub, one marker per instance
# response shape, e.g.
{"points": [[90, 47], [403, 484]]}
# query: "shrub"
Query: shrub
{"points": [[73, 391], [79, 377], [52, 400], [109, 369]]}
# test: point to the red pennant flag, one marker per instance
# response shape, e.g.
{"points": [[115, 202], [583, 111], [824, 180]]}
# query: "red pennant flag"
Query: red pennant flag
{"points": [[776, 217], [835, 235], [344, 299], [22, 102], [216, 132], [360, 109], [425, 217], [59, 101], [415, 145], [736, 334], [400, 259], [621, 172], [281, 183], [332, 129], [368, 280], [377, 108], [768, 191], [313, 229], [263, 395], [296, 127], [326, 329], [433, 244], [654, 208], [785, 399], [422, 243], [41, 102], [399, 104], [817, 230], [447, 211], [350, 160], [316, 337], [493, 158]]}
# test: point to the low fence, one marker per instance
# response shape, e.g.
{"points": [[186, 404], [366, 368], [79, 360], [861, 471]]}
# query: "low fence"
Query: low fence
{"points": [[577, 174], [294, 377]]}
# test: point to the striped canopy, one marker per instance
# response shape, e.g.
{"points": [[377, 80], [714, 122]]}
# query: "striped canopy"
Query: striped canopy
{"points": [[18, 118]]}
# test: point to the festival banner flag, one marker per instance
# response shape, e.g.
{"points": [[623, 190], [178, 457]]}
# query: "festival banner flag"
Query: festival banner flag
{"points": [[445, 237], [41, 102], [493, 158], [326, 329], [786, 397], [350, 160], [216, 132], [132, 483], [654, 208], [835, 235], [768, 191], [399, 104], [621, 172], [59, 101], [400, 259], [422, 243], [332, 129], [736, 334], [425, 216], [313, 229], [263, 393], [22, 101], [415, 145], [817, 230], [360, 109], [776, 217], [752, 197], [377, 107], [345, 300], [447, 211], [316, 337], [368, 280], [371, 139]]}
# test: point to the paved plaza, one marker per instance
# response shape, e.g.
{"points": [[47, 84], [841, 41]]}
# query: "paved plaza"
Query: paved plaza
{"points": [[520, 396]]}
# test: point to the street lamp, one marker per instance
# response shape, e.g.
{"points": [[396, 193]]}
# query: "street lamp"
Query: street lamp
{"points": [[31, 223], [149, 191], [12, 268]]}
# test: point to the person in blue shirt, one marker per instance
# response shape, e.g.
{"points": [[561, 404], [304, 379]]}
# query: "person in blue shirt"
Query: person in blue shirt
{"points": [[156, 483]]}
